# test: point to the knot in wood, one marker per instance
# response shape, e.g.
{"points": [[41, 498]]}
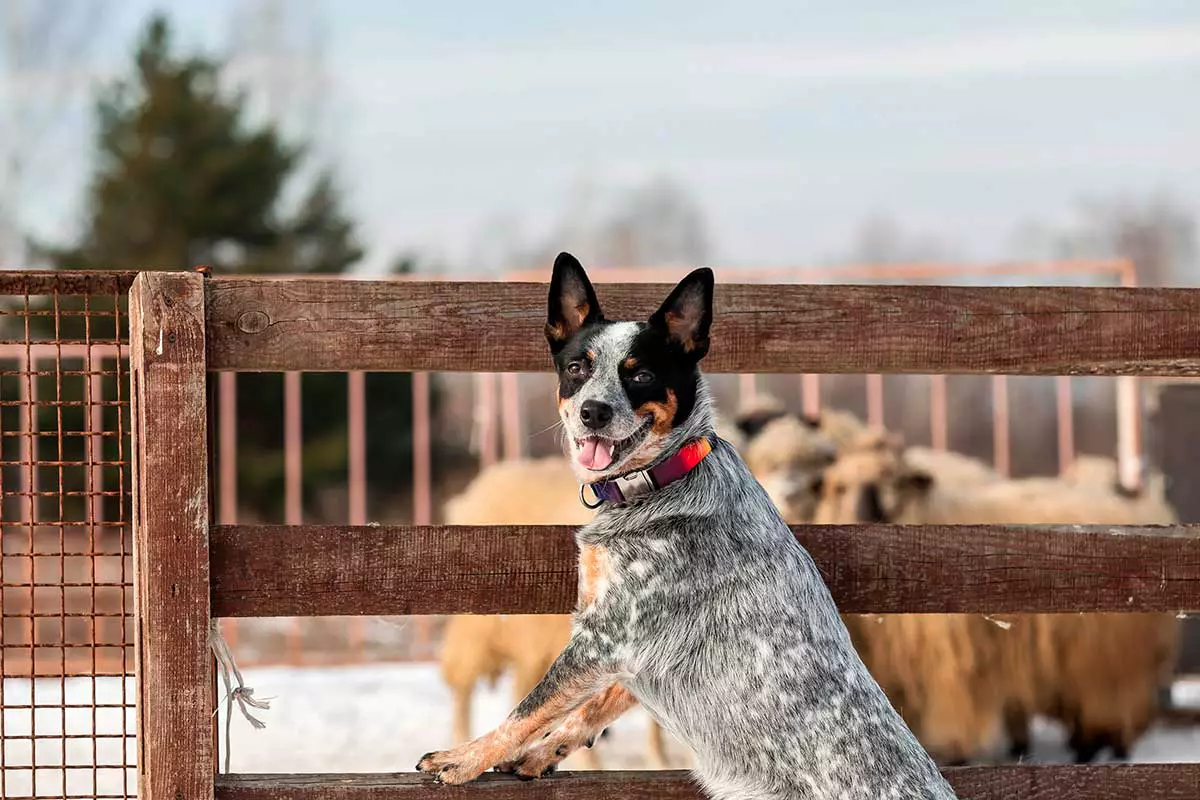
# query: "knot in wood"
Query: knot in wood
{"points": [[253, 322]]}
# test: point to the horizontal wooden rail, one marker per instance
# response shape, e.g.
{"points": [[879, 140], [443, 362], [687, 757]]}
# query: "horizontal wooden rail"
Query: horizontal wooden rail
{"points": [[1017, 782], [339, 325], [264, 571]]}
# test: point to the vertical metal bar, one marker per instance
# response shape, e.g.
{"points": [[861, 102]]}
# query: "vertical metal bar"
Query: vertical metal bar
{"points": [[1129, 415], [511, 412], [422, 451], [227, 446], [875, 401], [747, 388], [810, 394], [939, 429], [485, 404], [293, 445], [1065, 414], [1001, 452], [356, 422], [171, 523]]}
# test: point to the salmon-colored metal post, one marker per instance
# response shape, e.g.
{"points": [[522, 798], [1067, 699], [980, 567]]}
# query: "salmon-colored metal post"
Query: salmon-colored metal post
{"points": [[1065, 412], [422, 452], [510, 399], [810, 394], [939, 434], [875, 401], [293, 445], [747, 388], [293, 486], [485, 422], [1129, 415], [356, 421], [227, 447], [1001, 448]]}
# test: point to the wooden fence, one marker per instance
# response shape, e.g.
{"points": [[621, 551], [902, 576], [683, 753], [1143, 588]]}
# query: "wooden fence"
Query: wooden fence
{"points": [[186, 327]]}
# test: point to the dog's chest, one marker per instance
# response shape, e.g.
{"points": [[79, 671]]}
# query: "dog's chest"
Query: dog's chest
{"points": [[595, 574]]}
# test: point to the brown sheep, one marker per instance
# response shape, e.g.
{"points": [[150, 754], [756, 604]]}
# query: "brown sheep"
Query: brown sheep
{"points": [[1051, 664]]}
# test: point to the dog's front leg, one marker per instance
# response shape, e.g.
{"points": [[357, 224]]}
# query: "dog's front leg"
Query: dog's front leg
{"points": [[540, 756], [571, 680]]}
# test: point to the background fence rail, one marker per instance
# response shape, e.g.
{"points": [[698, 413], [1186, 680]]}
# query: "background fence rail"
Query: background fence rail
{"points": [[323, 325]]}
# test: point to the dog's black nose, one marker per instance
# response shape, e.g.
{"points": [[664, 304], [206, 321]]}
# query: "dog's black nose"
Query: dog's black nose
{"points": [[595, 414]]}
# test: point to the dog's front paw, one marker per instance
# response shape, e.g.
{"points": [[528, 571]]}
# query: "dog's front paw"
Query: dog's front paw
{"points": [[543, 758], [451, 766]]}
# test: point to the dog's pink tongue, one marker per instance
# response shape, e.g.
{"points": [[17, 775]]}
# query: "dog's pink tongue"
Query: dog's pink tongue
{"points": [[596, 453]]}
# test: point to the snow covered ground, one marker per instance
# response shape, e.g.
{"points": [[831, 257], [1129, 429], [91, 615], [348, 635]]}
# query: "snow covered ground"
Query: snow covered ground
{"points": [[356, 719]]}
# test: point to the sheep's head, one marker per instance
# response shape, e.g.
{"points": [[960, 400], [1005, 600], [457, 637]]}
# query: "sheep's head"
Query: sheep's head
{"points": [[869, 482], [786, 453]]}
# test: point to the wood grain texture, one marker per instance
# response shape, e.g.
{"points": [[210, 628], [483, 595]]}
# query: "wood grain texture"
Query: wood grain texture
{"points": [[1020, 782], [338, 325], [334, 570], [170, 537]]}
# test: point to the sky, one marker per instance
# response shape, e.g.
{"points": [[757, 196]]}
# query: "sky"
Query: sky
{"points": [[790, 123]]}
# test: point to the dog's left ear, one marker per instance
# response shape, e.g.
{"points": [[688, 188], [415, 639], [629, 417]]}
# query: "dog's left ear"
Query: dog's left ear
{"points": [[686, 314]]}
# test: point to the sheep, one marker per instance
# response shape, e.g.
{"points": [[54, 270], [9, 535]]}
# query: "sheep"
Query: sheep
{"points": [[950, 466], [1100, 474], [1098, 673], [786, 452], [515, 492]]}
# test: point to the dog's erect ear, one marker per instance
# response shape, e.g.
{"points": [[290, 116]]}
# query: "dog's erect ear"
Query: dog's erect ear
{"points": [[572, 302], [686, 314]]}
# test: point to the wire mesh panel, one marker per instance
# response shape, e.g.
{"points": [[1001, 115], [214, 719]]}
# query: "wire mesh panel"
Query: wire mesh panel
{"points": [[66, 575]]}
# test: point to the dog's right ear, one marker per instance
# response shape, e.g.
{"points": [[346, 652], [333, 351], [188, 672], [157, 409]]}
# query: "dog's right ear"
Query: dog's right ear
{"points": [[572, 302]]}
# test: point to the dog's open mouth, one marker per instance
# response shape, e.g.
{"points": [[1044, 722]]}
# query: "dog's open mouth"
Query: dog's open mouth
{"points": [[598, 453]]}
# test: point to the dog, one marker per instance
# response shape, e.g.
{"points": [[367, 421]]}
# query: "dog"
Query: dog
{"points": [[695, 599]]}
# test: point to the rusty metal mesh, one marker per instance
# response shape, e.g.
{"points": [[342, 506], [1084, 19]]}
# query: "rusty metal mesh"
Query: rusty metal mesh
{"points": [[66, 572]]}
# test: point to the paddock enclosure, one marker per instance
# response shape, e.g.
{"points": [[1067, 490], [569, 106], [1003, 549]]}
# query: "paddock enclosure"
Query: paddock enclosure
{"points": [[186, 331]]}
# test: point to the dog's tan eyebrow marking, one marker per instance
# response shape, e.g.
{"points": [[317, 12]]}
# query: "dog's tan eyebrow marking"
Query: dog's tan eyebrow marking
{"points": [[630, 363], [591, 355]]}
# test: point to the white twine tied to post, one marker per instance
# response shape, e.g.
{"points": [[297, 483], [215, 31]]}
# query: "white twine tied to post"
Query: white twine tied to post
{"points": [[243, 694]]}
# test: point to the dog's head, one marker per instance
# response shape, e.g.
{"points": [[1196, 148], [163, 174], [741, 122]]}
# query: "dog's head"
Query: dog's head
{"points": [[624, 387]]}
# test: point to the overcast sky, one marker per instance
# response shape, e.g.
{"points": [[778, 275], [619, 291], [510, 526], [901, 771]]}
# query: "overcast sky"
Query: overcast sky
{"points": [[790, 122]]}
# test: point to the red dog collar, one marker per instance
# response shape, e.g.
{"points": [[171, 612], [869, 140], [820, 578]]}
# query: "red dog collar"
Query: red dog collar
{"points": [[642, 482]]}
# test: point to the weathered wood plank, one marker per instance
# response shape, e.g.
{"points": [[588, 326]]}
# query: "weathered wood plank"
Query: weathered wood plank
{"points": [[336, 570], [170, 537], [343, 325], [1018, 782]]}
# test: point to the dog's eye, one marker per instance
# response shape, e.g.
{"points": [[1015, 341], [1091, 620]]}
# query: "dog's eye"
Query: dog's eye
{"points": [[645, 376], [575, 368]]}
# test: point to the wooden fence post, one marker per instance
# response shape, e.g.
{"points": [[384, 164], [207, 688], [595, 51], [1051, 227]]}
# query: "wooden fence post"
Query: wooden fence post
{"points": [[170, 537]]}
